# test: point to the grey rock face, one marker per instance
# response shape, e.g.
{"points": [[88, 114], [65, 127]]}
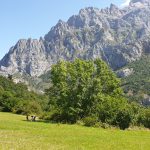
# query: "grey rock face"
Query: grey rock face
{"points": [[146, 100], [27, 56], [118, 36], [146, 2], [125, 72]]}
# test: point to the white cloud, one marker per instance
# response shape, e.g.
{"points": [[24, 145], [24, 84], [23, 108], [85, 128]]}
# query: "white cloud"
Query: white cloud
{"points": [[126, 3]]}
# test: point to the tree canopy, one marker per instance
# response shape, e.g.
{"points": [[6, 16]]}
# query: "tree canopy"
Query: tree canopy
{"points": [[86, 88]]}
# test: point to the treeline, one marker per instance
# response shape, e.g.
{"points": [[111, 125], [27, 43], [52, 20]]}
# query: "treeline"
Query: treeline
{"points": [[80, 91], [18, 99]]}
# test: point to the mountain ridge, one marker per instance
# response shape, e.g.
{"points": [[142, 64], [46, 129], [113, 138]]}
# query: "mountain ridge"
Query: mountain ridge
{"points": [[118, 36]]}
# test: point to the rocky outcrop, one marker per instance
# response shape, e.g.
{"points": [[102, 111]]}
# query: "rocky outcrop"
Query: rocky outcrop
{"points": [[140, 2], [125, 72], [27, 56], [118, 36], [146, 100]]}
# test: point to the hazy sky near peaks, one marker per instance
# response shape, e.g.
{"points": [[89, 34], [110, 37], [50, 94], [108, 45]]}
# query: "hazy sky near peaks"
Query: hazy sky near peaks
{"points": [[21, 19]]}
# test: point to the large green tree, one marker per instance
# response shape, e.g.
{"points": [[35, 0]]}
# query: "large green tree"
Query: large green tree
{"points": [[85, 88]]}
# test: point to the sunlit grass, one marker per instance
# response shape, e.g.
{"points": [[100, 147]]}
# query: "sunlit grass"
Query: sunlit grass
{"points": [[18, 134]]}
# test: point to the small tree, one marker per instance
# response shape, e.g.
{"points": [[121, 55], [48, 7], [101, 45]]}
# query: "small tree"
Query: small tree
{"points": [[123, 118], [31, 108]]}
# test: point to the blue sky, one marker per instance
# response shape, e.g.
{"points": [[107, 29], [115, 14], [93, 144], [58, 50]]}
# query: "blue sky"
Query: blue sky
{"points": [[34, 18]]}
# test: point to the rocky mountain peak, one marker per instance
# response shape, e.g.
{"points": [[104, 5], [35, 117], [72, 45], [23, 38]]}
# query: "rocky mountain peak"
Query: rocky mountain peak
{"points": [[84, 18], [56, 31], [114, 8], [27, 56], [115, 11], [140, 3], [91, 16]]}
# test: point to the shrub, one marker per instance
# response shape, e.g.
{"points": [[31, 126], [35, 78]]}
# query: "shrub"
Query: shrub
{"points": [[90, 121], [144, 118], [123, 119]]}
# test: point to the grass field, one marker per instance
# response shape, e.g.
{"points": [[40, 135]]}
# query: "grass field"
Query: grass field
{"points": [[18, 134]]}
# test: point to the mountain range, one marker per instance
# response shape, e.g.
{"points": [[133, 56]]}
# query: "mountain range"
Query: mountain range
{"points": [[117, 35]]}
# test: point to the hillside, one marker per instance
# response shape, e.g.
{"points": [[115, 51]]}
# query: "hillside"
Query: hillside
{"points": [[16, 133], [137, 84], [18, 99], [118, 36]]}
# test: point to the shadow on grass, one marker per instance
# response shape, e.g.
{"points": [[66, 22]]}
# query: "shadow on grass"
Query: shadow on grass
{"points": [[39, 121], [47, 121]]}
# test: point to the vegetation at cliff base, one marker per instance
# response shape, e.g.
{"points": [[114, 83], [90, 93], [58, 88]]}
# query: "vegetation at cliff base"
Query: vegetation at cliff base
{"points": [[137, 85], [18, 99]]}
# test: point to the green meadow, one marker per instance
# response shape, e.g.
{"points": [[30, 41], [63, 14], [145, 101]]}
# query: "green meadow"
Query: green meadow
{"points": [[18, 134]]}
